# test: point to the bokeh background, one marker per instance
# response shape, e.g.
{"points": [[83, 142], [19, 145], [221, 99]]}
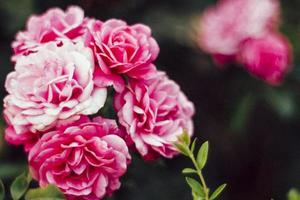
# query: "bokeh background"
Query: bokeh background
{"points": [[253, 129]]}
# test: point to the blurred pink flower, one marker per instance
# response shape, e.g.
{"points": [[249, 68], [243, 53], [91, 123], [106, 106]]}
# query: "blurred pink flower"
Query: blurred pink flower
{"points": [[268, 57], [52, 86], [55, 23], [122, 49], [154, 113], [85, 161], [223, 27]]}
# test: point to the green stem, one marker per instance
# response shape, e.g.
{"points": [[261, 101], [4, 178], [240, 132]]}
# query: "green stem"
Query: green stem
{"points": [[199, 173]]}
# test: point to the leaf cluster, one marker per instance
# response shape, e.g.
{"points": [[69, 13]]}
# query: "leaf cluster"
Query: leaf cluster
{"points": [[19, 189], [200, 191]]}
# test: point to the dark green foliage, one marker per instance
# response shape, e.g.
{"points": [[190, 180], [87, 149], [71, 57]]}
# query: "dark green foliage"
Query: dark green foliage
{"points": [[2, 190], [20, 185]]}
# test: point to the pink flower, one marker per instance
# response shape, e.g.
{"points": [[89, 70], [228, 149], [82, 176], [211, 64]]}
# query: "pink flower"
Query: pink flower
{"points": [[154, 113], [27, 139], [85, 161], [123, 49], [268, 57], [52, 86], [224, 26], [53, 24]]}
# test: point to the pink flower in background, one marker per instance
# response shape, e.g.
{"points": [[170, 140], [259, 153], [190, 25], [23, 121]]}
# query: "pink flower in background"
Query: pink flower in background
{"points": [[52, 86], [224, 26], [85, 161], [123, 49], [154, 113], [53, 24], [268, 57], [245, 31]]}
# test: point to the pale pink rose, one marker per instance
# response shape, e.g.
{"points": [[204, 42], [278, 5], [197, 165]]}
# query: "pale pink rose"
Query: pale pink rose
{"points": [[122, 49], [85, 161], [224, 26], [268, 58], [52, 86], [154, 113], [53, 24]]}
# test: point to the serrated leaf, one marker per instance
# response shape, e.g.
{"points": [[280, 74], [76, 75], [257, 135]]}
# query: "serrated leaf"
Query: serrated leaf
{"points": [[20, 185], [202, 155], [189, 171], [195, 186], [293, 194], [2, 190], [217, 192], [182, 148], [49, 192], [193, 145]]}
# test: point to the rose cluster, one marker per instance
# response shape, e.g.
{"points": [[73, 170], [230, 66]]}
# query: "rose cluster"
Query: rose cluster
{"points": [[64, 64], [246, 31]]}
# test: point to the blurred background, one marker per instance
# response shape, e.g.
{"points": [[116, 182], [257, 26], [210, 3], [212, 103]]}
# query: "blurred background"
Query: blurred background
{"points": [[253, 129]]}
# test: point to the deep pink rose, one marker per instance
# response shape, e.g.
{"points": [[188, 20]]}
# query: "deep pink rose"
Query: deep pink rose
{"points": [[154, 113], [85, 161], [268, 58], [53, 24], [224, 26], [52, 86], [123, 49], [27, 139]]}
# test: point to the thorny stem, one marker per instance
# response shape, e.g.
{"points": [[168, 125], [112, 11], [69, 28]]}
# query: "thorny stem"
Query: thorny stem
{"points": [[199, 173]]}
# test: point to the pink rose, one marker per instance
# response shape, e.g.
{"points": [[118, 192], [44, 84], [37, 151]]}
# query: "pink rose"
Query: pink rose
{"points": [[53, 24], [268, 57], [224, 26], [52, 86], [154, 113], [27, 139], [123, 49], [85, 161]]}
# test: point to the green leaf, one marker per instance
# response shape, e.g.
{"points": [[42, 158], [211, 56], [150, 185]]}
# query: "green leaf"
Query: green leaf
{"points": [[195, 186], [185, 138], [182, 148], [217, 192], [189, 171], [2, 190], [193, 145], [293, 194], [49, 192], [20, 185], [202, 155], [195, 197]]}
